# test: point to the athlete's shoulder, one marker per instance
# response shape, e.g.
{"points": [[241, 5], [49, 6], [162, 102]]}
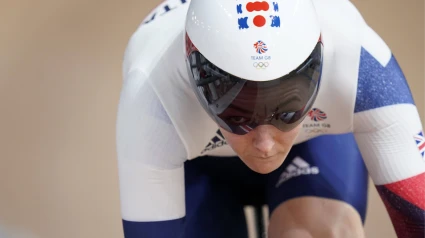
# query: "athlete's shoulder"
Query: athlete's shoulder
{"points": [[340, 18], [342, 28], [155, 56], [154, 36], [381, 80]]}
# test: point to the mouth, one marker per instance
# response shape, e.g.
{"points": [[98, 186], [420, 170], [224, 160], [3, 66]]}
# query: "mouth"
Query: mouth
{"points": [[265, 157]]}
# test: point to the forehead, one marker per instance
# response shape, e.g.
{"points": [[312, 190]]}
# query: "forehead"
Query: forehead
{"points": [[279, 94]]}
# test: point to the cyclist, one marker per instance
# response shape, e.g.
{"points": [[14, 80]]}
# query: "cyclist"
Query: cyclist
{"points": [[229, 103]]}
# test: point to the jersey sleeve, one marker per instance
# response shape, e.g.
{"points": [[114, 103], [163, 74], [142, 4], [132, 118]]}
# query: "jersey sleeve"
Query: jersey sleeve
{"points": [[151, 156], [389, 134]]}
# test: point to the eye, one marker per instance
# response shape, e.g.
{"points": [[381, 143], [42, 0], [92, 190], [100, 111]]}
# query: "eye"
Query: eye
{"points": [[238, 120], [286, 116]]}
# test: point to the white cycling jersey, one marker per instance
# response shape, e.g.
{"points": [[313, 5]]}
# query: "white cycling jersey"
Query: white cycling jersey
{"points": [[161, 124]]}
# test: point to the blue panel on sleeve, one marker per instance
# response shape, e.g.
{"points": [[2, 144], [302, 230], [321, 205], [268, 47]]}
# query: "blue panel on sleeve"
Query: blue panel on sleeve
{"points": [[380, 86], [161, 229]]}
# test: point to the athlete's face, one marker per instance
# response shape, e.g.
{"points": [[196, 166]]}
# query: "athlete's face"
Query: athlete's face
{"points": [[263, 149]]}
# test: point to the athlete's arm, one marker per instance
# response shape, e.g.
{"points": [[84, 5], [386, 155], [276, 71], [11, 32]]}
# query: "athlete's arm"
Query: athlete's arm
{"points": [[388, 131], [150, 160]]}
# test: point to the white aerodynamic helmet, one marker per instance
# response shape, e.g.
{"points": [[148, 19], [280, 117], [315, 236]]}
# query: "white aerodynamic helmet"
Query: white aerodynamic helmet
{"points": [[254, 63]]}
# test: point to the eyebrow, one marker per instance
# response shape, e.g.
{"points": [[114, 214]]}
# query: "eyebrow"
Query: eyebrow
{"points": [[232, 106], [280, 105], [287, 102]]}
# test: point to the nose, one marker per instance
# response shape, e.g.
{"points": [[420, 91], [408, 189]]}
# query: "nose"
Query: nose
{"points": [[264, 140]]}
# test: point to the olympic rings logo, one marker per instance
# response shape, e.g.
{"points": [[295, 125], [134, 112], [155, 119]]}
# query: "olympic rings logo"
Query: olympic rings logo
{"points": [[260, 65], [316, 131]]}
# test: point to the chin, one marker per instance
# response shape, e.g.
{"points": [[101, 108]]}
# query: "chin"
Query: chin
{"points": [[264, 166]]}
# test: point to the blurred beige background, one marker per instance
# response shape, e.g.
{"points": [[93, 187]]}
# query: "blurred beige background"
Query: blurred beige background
{"points": [[60, 79]]}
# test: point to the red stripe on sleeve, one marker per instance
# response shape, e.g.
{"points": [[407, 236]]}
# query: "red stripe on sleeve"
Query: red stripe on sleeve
{"points": [[411, 189]]}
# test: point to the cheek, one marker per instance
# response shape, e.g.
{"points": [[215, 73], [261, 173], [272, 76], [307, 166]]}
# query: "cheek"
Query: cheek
{"points": [[238, 143]]}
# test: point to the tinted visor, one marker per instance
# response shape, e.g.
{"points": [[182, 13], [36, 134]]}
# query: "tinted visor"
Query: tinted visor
{"points": [[240, 105]]}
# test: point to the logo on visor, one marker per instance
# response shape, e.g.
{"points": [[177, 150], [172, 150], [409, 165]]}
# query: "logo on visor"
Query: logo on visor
{"points": [[260, 47], [317, 115], [259, 20]]}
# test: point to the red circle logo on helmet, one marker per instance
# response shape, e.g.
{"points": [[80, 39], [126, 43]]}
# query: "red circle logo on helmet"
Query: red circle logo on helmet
{"points": [[258, 20]]}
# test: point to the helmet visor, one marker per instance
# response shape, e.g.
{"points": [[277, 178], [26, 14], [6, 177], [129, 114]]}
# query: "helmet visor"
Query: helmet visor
{"points": [[239, 106]]}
